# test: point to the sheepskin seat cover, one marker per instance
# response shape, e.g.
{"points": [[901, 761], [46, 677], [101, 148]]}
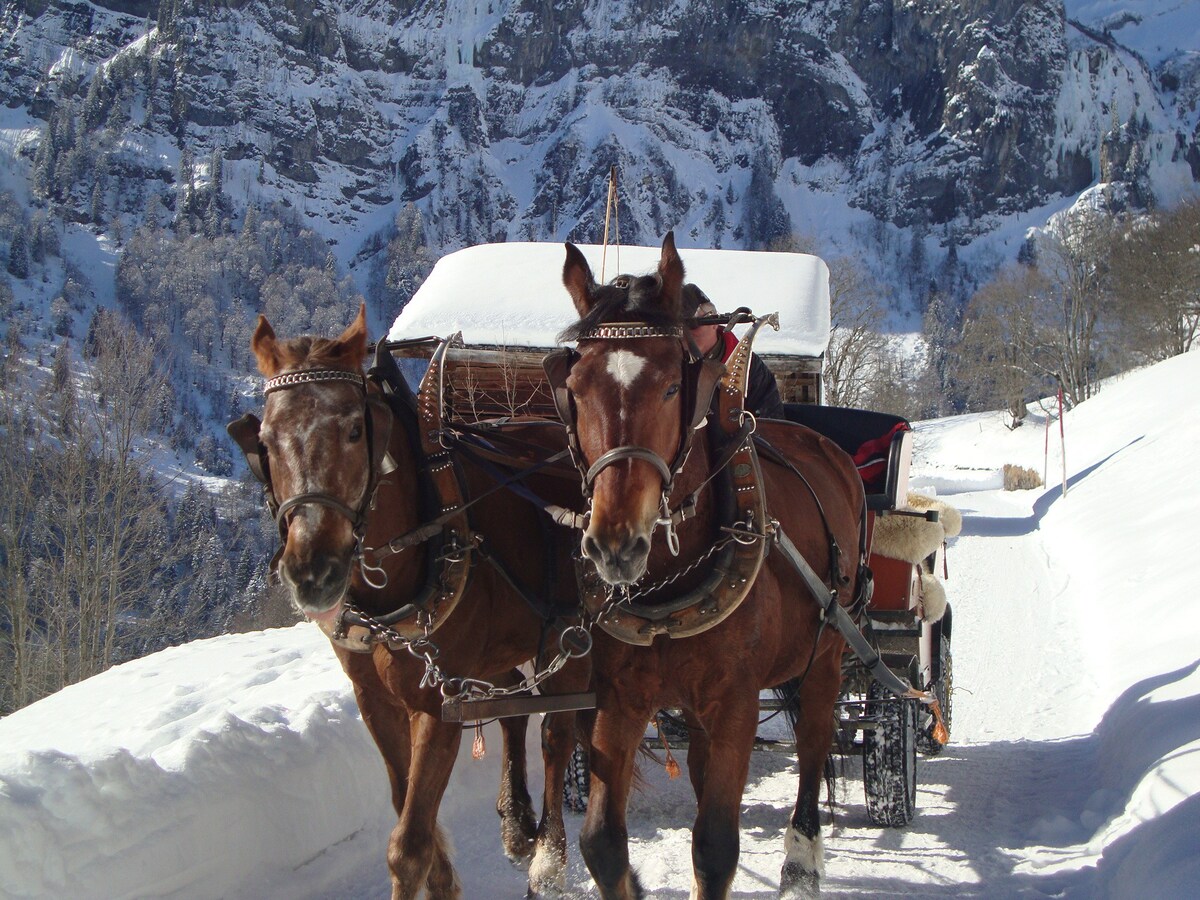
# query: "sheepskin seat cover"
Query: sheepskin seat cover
{"points": [[911, 538]]}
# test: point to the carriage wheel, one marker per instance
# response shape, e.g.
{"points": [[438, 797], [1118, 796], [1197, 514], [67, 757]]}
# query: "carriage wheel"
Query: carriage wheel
{"points": [[943, 688], [575, 788], [890, 758]]}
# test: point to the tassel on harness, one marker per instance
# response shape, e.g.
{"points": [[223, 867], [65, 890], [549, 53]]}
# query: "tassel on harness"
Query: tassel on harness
{"points": [[669, 764], [479, 745]]}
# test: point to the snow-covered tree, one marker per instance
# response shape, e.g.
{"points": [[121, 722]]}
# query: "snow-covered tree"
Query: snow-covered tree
{"points": [[18, 253]]}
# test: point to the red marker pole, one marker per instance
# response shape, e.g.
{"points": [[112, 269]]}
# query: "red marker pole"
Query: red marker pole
{"points": [[1062, 438]]}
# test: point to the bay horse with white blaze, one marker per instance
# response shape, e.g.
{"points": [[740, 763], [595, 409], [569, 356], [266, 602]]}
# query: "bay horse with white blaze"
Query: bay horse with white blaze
{"points": [[632, 395], [348, 467]]}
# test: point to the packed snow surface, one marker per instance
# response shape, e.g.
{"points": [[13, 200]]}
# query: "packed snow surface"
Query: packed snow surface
{"points": [[239, 767]]}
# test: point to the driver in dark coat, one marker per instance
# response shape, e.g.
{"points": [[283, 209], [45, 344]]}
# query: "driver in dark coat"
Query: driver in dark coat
{"points": [[715, 342]]}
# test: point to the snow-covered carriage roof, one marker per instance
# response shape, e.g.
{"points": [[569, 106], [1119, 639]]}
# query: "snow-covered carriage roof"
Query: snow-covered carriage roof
{"points": [[511, 294]]}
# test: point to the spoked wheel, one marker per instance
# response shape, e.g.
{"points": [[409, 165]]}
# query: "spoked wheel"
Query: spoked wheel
{"points": [[890, 758], [943, 688], [575, 788]]}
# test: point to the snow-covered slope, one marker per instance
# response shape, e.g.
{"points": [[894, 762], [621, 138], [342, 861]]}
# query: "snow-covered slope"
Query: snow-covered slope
{"points": [[239, 767]]}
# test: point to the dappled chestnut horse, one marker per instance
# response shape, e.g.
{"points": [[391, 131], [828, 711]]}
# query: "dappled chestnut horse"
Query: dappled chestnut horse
{"points": [[629, 387], [338, 460]]}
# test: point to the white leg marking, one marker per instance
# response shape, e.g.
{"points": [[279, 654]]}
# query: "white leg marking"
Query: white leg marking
{"points": [[547, 872], [808, 853]]}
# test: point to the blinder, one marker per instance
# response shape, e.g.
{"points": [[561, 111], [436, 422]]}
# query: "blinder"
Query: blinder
{"points": [[244, 432]]}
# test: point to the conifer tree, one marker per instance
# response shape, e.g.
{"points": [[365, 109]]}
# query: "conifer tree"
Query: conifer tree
{"points": [[18, 253]]}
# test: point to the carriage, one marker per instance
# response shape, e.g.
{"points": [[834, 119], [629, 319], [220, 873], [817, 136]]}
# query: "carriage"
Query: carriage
{"points": [[489, 362]]}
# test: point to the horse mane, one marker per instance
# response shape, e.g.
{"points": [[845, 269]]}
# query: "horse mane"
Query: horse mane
{"points": [[637, 302], [316, 352]]}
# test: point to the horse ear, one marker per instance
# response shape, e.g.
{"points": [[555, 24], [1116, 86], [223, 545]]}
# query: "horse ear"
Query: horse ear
{"points": [[353, 341], [265, 347], [670, 270], [578, 280]]}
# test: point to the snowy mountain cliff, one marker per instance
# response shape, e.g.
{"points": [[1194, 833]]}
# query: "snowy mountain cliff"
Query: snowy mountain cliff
{"points": [[894, 126]]}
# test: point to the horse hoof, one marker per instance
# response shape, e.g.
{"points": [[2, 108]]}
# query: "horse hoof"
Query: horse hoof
{"points": [[547, 874], [797, 883], [517, 838]]}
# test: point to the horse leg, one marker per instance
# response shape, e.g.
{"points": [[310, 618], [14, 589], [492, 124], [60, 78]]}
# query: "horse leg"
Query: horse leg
{"points": [[804, 859], [604, 838], [418, 853], [730, 725], [548, 870], [386, 722], [513, 804], [390, 726], [697, 753]]}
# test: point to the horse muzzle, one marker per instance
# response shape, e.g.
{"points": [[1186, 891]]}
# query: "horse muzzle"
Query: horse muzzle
{"points": [[619, 559], [317, 584]]}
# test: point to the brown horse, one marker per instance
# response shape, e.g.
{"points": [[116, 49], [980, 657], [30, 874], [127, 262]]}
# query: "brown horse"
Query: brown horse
{"points": [[632, 390], [347, 469]]}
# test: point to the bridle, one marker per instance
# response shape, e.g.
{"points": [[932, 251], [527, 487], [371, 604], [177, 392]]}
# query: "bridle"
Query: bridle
{"points": [[700, 378], [377, 420]]}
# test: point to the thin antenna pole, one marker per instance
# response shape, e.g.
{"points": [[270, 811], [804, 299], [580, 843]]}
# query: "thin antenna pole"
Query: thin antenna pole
{"points": [[608, 210]]}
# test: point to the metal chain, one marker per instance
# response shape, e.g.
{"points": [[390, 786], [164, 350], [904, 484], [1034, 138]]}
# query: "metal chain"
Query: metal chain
{"points": [[453, 688], [578, 645], [647, 589]]}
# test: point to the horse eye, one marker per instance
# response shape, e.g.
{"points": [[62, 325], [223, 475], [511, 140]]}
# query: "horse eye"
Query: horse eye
{"points": [[672, 391], [355, 432]]}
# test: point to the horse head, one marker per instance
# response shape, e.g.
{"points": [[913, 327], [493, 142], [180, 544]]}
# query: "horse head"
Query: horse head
{"points": [[628, 388], [323, 448]]}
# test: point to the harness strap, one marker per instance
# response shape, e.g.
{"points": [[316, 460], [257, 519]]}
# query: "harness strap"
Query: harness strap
{"points": [[831, 610], [617, 454], [544, 608], [835, 552], [687, 506], [512, 482], [355, 517]]}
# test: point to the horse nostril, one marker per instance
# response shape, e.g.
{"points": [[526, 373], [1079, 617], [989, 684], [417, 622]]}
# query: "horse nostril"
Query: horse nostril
{"points": [[591, 549], [631, 551], [636, 547]]}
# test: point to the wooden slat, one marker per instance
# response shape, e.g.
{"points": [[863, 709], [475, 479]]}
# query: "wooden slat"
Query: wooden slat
{"points": [[499, 707]]}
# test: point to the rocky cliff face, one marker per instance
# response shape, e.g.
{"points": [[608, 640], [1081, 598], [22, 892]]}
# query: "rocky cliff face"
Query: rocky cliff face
{"points": [[732, 121]]}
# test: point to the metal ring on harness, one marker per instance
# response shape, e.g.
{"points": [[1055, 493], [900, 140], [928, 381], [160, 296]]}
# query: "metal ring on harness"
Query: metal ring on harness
{"points": [[668, 522], [575, 641], [364, 568]]}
